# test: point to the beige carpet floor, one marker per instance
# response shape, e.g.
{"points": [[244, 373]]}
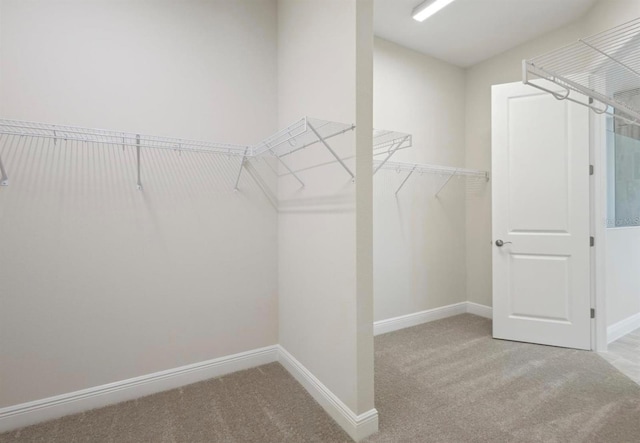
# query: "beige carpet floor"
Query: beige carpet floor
{"points": [[445, 381]]}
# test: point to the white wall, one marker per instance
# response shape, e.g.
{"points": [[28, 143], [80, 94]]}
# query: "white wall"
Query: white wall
{"points": [[100, 282], [325, 310], [419, 241], [622, 277], [505, 68]]}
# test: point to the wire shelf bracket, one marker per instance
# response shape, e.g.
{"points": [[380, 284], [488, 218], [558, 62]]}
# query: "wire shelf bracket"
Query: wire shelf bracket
{"points": [[242, 162], [326, 145], [431, 169], [300, 135], [604, 67], [138, 161], [4, 178], [393, 144]]}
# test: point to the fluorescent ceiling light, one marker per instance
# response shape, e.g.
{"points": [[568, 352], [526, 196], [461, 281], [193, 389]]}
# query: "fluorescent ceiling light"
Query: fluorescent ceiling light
{"points": [[428, 8]]}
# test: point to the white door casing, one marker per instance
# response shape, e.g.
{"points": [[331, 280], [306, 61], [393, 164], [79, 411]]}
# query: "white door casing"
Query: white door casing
{"points": [[540, 193]]}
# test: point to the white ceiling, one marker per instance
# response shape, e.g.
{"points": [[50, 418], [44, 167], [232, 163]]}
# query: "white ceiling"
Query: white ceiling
{"points": [[469, 31]]}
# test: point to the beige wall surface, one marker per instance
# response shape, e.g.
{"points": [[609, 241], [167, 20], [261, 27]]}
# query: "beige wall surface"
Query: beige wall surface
{"points": [[506, 68], [100, 282], [419, 239], [318, 274], [622, 278]]}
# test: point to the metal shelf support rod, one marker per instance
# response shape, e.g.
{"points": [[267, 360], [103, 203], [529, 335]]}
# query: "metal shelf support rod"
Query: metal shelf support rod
{"points": [[287, 167], [405, 179], [391, 152], [4, 178], [244, 158], [326, 145], [446, 181], [138, 159], [327, 137]]}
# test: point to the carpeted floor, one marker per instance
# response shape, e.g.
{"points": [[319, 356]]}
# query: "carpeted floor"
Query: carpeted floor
{"points": [[445, 381], [449, 381]]}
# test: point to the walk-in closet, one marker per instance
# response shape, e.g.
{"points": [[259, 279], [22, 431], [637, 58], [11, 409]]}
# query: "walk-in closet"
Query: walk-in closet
{"points": [[326, 221]]}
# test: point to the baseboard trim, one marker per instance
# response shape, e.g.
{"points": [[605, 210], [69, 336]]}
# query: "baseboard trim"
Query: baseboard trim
{"points": [[357, 426], [480, 310], [418, 318], [623, 327], [25, 414]]}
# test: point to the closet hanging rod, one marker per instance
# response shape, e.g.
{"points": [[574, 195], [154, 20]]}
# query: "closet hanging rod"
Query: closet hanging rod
{"points": [[114, 138], [604, 67]]}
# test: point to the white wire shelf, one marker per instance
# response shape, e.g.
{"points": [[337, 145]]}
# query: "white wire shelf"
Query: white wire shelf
{"points": [[385, 141], [389, 142], [447, 171], [305, 132], [301, 135], [604, 67], [108, 137]]}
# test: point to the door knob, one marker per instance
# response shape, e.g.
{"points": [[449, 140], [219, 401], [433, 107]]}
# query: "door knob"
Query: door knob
{"points": [[500, 243]]}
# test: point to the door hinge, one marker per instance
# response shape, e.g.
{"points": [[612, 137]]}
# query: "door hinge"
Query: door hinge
{"points": [[590, 169], [593, 313], [592, 241]]}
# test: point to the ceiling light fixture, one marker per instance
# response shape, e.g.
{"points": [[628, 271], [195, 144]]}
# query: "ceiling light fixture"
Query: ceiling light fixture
{"points": [[426, 9]]}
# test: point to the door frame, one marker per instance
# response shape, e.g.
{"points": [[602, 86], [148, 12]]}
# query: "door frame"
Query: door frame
{"points": [[598, 185]]}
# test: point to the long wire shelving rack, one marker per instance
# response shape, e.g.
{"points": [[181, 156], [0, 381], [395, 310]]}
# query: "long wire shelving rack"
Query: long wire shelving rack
{"points": [[112, 138], [300, 135], [447, 171], [604, 67]]}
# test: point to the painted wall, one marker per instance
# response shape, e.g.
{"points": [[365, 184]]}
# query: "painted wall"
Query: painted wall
{"points": [[100, 282], [324, 296], [419, 239], [505, 68], [622, 277]]}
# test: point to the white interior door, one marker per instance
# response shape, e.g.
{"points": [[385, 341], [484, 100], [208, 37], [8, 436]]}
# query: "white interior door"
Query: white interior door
{"points": [[540, 171]]}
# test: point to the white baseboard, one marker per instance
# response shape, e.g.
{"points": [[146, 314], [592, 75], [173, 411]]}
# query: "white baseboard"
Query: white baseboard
{"points": [[357, 426], [480, 310], [418, 318], [622, 328], [25, 414]]}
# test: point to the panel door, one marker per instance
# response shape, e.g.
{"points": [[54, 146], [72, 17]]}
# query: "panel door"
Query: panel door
{"points": [[540, 191]]}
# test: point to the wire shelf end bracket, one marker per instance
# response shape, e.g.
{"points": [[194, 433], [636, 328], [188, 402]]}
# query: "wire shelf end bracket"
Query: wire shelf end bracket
{"points": [[604, 67]]}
